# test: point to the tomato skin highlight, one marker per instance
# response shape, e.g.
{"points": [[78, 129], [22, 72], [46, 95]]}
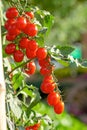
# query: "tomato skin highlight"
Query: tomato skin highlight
{"points": [[11, 13]]}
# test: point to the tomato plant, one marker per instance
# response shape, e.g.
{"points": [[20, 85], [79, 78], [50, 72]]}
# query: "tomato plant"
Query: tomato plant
{"points": [[24, 28]]}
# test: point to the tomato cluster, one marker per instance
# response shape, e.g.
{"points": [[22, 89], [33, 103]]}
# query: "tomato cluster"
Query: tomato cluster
{"points": [[17, 25], [49, 86], [21, 32]]}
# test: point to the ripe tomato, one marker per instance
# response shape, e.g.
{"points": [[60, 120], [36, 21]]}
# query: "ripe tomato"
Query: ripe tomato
{"points": [[30, 54], [45, 71], [30, 29], [48, 78], [10, 48], [47, 87], [13, 30], [21, 23], [32, 45], [31, 68], [10, 37], [41, 53], [45, 62], [59, 107], [11, 13], [34, 127], [8, 23], [30, 14], [18, 56], [23, 43], [53, 98]]}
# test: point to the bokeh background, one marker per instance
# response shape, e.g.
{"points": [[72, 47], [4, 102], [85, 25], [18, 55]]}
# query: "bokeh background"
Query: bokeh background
{"points": [[69, 28]]}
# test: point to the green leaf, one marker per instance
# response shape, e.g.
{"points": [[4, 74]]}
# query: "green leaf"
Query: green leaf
{"points": [[3, 30], [15, 106], [35, 100], [65, 50], [17, 80], [28, 92], [48, 21], [40, 40]]}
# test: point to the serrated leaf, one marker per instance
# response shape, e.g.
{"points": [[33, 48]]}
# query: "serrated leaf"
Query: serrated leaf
{"points": [[15, 107], [65, 50]]}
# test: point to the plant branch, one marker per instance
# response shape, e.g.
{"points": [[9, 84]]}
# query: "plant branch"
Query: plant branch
{"points": [[24, 63]]}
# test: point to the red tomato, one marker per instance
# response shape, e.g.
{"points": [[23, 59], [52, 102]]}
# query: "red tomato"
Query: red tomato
{"points": [[45, 71], [30, 54], [18, 56], [30, 29], [41, 53], [10, 37], [13, 30], [31, 68], [11, 13], [45, 62], [59, 107], [23, 43], [30, 14], [10, 48], [47, 87], [21, 23], [34, 127], [53, 98], [8, 23], [48, 78], [32, 45]]}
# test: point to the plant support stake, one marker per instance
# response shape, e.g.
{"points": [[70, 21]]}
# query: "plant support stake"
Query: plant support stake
{"points": [[2, 90]]}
